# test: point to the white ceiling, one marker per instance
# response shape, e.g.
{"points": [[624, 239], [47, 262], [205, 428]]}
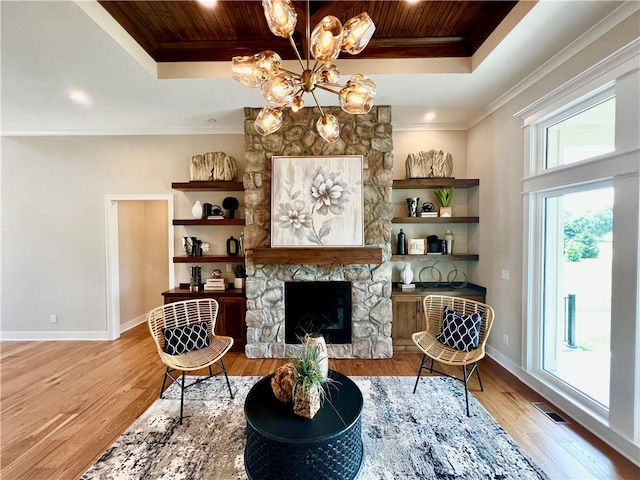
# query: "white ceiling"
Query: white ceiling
{"points": [[51, 48]]}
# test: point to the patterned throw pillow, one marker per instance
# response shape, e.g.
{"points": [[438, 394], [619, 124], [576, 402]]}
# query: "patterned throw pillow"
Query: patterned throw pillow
{"points": [[461, 332], [185, 339]]}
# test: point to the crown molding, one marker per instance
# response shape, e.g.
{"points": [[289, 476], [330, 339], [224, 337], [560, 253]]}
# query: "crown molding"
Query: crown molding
{"points": [[598, 30]]}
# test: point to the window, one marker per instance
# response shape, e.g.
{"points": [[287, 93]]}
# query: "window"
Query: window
{"points": [[582, 252]]}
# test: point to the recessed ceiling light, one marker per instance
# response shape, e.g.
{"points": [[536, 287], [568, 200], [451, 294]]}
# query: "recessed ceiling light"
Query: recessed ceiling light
{"points": [[212, 120], [80, 97], [208, 3], [430, 116]]}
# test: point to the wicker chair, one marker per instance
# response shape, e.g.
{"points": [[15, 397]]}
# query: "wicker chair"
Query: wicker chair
{"points": [[436, 351], [181, 314]]}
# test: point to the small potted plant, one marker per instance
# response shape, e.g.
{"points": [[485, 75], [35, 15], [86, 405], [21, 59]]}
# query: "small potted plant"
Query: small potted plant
{"points": [[241, 273], [444, 197], [308, 392]]}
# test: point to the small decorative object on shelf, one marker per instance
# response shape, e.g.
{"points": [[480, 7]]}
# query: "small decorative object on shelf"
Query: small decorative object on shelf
{"points": [[195, 278], [412, 206], [233, 246], [213, 166], [429, 164], [241, 273], [406, 275], [402, 243], [230, 204], [417, 246], [428, 210], [444, 197], [197, 210], [449, 238]]}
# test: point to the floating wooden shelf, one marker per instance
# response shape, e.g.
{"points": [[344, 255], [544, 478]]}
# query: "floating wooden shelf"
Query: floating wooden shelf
{"points": [[317, 256], [204, 221], [209, 259], [458, 257], [436, 183], [200, 186], [435, 220]]}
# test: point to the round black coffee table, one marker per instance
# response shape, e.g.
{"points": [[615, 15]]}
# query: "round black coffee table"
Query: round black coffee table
{"points": [[284, 446]]}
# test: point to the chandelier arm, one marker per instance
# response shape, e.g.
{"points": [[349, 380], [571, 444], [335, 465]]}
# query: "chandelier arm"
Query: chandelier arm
{"points": [[325, 86], [293, 74], [308, 36], [295, 49], [318, 104]]}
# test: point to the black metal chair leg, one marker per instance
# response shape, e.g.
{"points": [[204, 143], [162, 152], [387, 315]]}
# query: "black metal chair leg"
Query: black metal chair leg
{"points": [[210, 372], [424, 357], [431, 367], [164, 381], [182, 397], [479, 380], [224, 369], [466, 391]]}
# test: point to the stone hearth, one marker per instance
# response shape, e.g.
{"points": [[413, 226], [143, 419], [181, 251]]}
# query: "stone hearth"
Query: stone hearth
{"points": [[367, 135]]}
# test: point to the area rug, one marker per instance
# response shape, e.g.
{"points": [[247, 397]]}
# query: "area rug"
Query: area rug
{"points": [[406, 436]]}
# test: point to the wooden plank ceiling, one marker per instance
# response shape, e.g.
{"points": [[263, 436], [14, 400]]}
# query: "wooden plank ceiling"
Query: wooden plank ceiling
{"points": [[179, 31]]}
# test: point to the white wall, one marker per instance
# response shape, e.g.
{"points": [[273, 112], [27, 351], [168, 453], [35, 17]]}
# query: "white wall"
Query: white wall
{"points": [[496, 155], [53, 220]]}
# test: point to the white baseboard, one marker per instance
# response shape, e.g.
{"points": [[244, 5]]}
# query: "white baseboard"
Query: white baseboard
{"points": [[624, 446], [133, 323], [50, 336]]}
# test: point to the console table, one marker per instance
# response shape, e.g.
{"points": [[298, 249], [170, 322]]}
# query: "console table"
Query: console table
{"points": [[283, 445]]}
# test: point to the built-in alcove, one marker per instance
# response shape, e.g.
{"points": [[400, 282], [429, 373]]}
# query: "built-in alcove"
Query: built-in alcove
{"points": [[323, 307]]}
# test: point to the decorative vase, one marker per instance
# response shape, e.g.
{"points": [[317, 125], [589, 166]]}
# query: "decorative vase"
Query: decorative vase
{"points": [[412, 206], [316, 340], [406, 275], [449, 238], [197, 210], [306, 401], [238, 283], [402, 243]]}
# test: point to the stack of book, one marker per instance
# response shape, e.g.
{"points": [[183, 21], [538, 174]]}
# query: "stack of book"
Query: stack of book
{"points": [[429, 214], [214, 284], [405, 287]]}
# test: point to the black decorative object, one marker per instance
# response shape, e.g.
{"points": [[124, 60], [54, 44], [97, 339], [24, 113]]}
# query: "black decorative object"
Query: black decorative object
{"points": [[433, 244], [233, 246], [230, 204], [195, 278], [427, 207], [402, 243]]}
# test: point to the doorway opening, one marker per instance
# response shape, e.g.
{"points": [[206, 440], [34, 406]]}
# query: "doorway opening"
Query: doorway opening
{"points": [[139, 257]]}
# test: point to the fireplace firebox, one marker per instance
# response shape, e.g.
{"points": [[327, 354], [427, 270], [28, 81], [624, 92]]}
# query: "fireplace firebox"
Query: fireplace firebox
{"points": [[323, 307]]}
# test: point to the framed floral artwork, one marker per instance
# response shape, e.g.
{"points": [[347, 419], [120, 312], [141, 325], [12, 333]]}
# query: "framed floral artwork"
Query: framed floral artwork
{"points": [[317, 201]]}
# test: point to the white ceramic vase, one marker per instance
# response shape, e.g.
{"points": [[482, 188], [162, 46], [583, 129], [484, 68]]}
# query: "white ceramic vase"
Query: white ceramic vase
{"points": [[316, 340], [196, 211], [406, 275]]}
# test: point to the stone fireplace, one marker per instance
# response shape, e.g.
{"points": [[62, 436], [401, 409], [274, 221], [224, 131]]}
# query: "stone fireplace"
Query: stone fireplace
{"points": [[367, 135]]}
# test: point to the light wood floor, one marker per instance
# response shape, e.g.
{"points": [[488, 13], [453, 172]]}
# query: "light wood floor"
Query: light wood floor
{"points": [[64, 403]]}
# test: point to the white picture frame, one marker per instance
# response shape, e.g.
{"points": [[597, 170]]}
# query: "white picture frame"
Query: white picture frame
{"points": [[317, 201], [417, 246]]}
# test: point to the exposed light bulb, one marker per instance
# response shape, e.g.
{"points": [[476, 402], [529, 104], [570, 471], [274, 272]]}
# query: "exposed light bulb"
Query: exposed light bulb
{"points": [[430, 116]]}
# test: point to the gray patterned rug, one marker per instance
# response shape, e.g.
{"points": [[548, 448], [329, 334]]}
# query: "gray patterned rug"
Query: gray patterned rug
{"points": [[406, 436]]}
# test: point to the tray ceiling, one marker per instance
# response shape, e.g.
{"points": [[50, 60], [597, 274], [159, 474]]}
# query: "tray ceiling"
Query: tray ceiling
{"points": [[187, 31]]}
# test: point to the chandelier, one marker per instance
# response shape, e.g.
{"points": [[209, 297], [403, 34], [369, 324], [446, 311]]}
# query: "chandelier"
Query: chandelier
{"points": [[285, 88]]}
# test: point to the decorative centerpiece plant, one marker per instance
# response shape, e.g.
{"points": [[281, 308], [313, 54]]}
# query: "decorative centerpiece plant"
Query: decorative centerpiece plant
{"points": [[302, 381]]}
